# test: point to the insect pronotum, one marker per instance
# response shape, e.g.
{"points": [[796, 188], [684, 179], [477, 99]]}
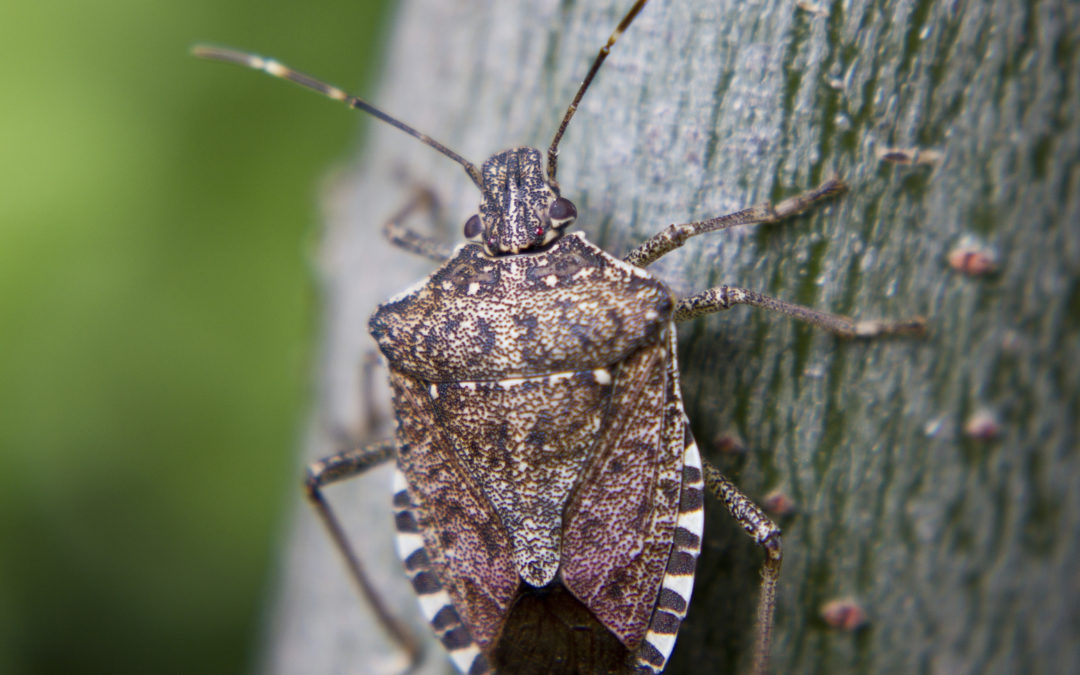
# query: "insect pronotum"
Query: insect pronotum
{"points": [[549, 495]]}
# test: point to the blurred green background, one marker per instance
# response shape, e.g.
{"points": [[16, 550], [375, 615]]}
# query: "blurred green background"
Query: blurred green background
{"points": [[157, 315]]}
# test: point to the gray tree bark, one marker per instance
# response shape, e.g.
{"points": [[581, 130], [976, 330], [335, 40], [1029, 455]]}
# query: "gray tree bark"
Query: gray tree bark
{"points": [[962, 552]]}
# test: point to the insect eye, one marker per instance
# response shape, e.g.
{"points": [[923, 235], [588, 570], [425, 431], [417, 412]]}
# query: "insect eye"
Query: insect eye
{"points": [[561, 212], [473, 227]]}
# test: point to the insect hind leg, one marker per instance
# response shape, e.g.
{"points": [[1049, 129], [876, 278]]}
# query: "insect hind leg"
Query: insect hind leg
{"points": [[336, 468], [758, 525]]}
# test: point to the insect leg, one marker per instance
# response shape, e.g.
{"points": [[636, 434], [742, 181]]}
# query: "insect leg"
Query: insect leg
{"points": [[674, 236], [405, 237], [725, 297], [767, 535], [340, 467], [368, 414]]}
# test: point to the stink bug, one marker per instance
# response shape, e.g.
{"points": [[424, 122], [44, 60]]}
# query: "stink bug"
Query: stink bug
{"points": [[549, 495]]}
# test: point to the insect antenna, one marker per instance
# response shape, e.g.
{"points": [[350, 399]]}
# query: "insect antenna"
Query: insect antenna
{"points": [[553, 150], [272, 67]]}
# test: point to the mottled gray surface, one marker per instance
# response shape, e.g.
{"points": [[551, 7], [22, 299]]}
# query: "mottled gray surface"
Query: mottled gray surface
{"points": [[963, 552]]}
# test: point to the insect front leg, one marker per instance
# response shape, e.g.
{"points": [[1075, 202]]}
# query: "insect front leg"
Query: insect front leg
{"points": [[725, 297], [340, 467], [758, 525], [403, 236], [674, 236]]}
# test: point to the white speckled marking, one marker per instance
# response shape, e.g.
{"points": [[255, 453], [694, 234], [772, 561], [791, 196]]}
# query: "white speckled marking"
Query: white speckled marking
{"points": [[463, 658], [408, 543], [555, 378], [431, 603], [682, 584], [399, 483]]}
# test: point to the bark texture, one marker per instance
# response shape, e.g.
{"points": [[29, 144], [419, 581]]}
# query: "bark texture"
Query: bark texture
{"points": [[962, 552]]}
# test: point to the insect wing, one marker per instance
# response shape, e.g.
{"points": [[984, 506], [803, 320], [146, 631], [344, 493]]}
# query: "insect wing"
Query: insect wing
{"points": [[626, 514], [468, 549]]}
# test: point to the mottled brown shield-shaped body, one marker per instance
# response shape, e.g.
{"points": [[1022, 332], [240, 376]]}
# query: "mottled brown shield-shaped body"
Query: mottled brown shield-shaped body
{"points": [[549, 494]]}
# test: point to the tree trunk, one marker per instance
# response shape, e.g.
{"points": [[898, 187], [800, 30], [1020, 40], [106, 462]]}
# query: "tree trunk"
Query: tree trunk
{"points": [[962, 552]]}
